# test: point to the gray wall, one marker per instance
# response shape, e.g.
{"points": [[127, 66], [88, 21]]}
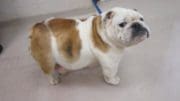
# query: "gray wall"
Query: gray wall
{"points": [[12, 9]]}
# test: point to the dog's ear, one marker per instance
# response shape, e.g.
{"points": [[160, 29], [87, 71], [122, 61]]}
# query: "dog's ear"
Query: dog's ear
{"points": [[109, 15]]}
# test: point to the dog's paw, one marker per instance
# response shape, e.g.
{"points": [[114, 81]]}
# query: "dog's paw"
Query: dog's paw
{"points": [[112, 81], [54, 81]]}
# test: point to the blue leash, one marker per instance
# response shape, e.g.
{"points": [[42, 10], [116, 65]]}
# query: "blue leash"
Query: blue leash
{"points": [[96, 6]]}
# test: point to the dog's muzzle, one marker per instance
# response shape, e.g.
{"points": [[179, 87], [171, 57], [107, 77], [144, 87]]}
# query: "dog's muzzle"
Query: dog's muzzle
{"points": [[139, 30]]}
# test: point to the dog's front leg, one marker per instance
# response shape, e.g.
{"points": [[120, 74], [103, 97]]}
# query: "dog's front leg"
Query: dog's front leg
{"points": [[110, 70], [110, 74]]}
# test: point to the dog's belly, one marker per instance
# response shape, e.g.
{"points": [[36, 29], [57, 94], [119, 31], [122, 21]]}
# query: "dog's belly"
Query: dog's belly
{"points": [[86, 56]]}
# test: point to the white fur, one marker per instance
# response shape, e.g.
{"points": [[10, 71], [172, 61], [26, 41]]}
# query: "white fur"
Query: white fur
{"points": [[89, 53]]}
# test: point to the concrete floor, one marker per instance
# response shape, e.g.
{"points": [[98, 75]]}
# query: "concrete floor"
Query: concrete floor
{"points": [[149, 71]]}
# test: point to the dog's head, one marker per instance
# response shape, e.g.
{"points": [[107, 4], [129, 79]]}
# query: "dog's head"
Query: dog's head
{"points": [[124, 27]]}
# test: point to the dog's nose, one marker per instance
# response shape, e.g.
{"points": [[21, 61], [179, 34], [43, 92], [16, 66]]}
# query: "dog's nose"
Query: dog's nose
{"points": [[136, 26], [138, 30]]}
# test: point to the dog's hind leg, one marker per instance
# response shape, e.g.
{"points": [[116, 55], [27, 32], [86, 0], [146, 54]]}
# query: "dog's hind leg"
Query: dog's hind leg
{"points": [[41, 51]]}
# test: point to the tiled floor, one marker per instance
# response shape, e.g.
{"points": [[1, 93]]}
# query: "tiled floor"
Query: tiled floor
{"points": [[149, 71]]}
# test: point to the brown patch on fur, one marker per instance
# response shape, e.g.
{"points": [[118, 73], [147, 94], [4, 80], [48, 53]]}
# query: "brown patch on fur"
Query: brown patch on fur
{"points": [[109, 15], [96, 38], [40, 47], [67, 36]]}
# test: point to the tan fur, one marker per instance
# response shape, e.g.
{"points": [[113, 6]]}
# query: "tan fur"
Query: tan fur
{"points": [[67, 36], [41, 48], [97, 40]]}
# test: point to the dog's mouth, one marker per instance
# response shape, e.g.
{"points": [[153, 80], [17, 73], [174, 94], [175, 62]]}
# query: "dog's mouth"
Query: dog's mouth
{"points": [[139, 38]]}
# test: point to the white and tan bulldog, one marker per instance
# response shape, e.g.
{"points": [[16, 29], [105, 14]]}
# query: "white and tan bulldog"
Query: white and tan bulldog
{"points": [[61, 45]]}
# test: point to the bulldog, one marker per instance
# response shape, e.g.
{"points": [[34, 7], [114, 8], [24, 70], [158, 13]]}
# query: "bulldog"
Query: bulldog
{"points": [[60, 45]]}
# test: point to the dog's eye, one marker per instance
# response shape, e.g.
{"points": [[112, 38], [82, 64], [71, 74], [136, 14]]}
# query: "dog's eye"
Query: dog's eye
{"points": [[122, 24], [141, 19]]}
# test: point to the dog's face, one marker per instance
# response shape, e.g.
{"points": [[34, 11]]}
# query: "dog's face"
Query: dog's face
{"points": [[125, 27]]}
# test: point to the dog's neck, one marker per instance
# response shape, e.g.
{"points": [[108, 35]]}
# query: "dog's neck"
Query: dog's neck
{"points": [[99, 29]]}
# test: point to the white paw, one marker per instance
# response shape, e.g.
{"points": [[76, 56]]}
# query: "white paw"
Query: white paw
{"points": [[54, 81], [112, 81]]}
